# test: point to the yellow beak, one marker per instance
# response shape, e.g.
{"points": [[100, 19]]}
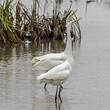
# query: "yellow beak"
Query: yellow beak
{"points": [[76, 20], [73, 12]]}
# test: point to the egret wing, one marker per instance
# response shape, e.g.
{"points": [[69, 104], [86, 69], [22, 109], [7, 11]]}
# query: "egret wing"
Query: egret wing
{"points": [[58, 72], [46, 64]]}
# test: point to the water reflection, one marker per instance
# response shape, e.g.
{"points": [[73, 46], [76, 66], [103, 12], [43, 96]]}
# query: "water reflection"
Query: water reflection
{"points": [[51, 4], [88, 2], [47, 6], [58, 105], [96, 1], [18, 86], [51, 101], [106, 3]]}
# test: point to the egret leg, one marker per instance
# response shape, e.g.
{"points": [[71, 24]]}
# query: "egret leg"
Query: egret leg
{"points": [[56, 94], [60, 89], [45, 85]]}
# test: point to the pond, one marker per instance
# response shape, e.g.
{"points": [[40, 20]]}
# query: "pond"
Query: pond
{"points": [[88, 88]]}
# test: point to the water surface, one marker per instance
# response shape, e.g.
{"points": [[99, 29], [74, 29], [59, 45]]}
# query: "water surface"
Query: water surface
{"points": [[88, 88]]}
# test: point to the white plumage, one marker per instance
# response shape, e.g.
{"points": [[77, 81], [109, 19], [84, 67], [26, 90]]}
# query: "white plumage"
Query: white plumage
{"points": [[48, 61], [58, 74]]}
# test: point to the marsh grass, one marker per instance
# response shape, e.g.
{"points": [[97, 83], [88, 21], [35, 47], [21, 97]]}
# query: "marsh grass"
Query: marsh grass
{"points": [[23, 24]]}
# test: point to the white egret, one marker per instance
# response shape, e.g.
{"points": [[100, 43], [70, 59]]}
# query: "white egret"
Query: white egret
{"points": [[48, 61], [58, 74]]}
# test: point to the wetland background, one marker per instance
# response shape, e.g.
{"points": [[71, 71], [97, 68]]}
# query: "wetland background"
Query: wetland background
{"points": [[88, 87]]}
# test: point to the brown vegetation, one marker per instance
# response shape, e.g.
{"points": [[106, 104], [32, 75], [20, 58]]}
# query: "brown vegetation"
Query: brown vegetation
{"points": [[21, 25]]}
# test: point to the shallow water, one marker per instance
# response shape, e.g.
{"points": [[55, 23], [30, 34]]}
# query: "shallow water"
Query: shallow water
{"points": [[88, 88]]}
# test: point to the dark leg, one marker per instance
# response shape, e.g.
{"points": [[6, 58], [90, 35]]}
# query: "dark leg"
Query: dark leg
{"points": [[56, 94], [58, 105], [61, 88], [45, 85]]}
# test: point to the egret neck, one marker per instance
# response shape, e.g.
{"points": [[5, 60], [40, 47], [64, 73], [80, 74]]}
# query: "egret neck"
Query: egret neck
{"points": [[69, 44]]}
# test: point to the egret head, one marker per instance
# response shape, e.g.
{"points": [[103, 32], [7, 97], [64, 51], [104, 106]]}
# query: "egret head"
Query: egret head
{"points": [[70, 18], [73, 21], [34, 60], [70, 15]]}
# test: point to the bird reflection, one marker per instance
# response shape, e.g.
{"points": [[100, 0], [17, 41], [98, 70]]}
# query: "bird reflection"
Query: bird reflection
{"points": [[49, 99], [58, 105], [57, 96]]}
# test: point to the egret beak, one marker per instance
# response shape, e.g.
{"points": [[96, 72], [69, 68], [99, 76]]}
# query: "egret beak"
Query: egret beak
{"points": [[34, 60], [72, 13], [74, 21]]}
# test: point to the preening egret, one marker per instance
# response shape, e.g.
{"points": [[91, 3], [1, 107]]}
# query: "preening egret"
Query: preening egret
{"points": [[48, 61], [58, 74]]}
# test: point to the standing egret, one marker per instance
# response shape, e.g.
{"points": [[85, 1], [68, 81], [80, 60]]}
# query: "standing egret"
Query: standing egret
{"points": [[48, 61], [60, 73]]}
